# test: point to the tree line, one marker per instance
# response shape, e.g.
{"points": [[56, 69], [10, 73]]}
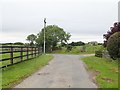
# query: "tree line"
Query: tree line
{"points": [[54, 35]]}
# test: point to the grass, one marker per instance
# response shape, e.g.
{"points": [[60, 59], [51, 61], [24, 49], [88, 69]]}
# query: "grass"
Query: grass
{"points": [[16, 73], [77, 50], [107, 71]]}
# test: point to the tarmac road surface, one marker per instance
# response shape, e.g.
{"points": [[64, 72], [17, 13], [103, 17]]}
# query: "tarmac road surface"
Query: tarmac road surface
{"points": [[64, 71]]}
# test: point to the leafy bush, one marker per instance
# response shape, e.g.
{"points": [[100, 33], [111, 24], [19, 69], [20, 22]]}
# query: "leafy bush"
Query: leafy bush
{"points": [[114, 29], [113, 45], [80, 43], [69, 48], [57, 48], [98, 53]]}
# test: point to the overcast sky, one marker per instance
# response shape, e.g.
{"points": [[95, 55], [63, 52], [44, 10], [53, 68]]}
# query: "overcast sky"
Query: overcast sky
{"points": [[86, 20]]}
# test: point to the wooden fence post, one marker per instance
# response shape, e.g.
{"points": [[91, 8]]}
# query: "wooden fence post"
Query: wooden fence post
{"points": [[27, 53], [32, 52], [11, 55], [38, 50], [35, 51], [21, 54]]}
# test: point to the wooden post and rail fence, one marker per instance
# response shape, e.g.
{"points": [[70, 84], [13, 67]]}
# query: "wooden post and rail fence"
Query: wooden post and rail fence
{"points": [[10, 55]]}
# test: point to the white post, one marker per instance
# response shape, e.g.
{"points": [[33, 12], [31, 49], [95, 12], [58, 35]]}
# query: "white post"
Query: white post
{"points": [[44, 33]]}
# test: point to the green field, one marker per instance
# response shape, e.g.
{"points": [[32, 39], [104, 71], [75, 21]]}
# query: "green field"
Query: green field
{"points": [[16, 73], [89, 49], [106, 71]]}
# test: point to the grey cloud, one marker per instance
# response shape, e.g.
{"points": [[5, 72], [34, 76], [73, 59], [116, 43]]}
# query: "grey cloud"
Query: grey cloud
{"points": [[92, 18]]}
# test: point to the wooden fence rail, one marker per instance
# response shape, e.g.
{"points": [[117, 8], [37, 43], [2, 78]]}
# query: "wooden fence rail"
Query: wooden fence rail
{"points": [[10, 55]]}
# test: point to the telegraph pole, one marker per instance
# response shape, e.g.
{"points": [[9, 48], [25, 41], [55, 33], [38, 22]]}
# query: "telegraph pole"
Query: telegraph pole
{"points": [[44, 33]]}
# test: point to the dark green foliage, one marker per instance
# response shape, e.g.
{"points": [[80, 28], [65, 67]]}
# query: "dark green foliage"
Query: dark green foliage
{"points": [[57, 48], [69, 48], [100, 43], [12, 44], [113, 45], [80, 43], [18, 43], [114, 29], [8, 44], [98, 53], [31, 38], [53, 36], [63, 44]]}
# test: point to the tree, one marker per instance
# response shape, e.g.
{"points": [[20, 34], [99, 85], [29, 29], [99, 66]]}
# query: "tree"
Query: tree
{"points": [[53, 36], [7, 44], [112, 41], [114, 29], [80, 43], [31, 38], [113, 45]]}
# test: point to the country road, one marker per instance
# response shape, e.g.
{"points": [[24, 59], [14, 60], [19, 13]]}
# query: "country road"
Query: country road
{"points": [[64, 71]]}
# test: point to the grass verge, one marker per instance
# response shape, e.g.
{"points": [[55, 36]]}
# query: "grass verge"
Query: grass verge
{"points": [[16, 73], [106, 71]]}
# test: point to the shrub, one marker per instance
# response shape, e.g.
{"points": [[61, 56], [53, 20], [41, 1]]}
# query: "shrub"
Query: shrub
{"points": [[57, 48], [98, 53], [114, 29], [113, 45], [69, 48], [80, 43]]}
